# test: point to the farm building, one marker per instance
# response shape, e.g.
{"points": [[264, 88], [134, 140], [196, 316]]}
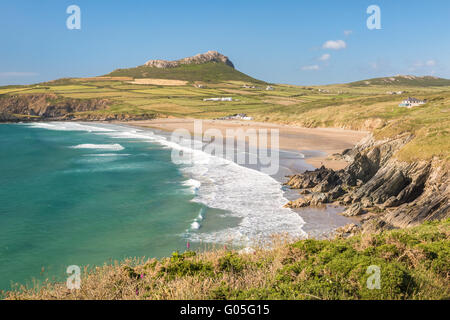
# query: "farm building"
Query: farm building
{"points": [[412, 102], [239, 116], [219, 99]]}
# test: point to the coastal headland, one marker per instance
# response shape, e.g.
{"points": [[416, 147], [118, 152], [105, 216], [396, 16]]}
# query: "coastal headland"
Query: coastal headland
{"points": [[383, 161], [387, 165]]}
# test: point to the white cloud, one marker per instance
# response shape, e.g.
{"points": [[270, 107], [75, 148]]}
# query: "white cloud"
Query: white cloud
{"points": [[348, 32], [325, 57], [309, 68], [422, 66], [335, 44], [17, 74]]}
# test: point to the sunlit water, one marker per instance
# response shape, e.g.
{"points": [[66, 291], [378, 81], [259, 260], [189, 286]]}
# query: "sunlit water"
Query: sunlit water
{"points": [[85, 194]]}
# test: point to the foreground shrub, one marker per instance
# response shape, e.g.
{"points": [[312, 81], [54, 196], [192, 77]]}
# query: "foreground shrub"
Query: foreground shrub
{"points": [[412, 264]]}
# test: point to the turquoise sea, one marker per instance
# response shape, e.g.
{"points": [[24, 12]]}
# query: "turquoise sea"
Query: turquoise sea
{"points": [[86, 194]]}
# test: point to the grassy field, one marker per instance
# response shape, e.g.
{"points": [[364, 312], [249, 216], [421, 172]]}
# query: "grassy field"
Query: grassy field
{"points": [[413, 264], [411, 81], [352, 106]]}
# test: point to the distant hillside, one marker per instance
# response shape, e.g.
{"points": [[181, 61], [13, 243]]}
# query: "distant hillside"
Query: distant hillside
{"points": [[208, 67], [400, 80]]}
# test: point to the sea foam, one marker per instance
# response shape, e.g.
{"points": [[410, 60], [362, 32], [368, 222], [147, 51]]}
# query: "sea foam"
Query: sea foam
{"points": [[69, 126], [254, 197], [193, 185], [114, 147], [250, 195], [195, 225]]}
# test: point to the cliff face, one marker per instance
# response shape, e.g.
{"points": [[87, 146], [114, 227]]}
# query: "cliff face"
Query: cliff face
{"points": [[385, 192], [46, 106], [40, 107], [210, 56]]}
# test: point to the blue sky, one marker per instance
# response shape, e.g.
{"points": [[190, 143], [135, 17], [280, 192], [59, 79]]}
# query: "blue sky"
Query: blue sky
{"points": [[278, 41]]}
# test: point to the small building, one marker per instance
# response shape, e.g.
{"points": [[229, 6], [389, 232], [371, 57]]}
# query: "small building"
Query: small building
{"points": [[219, 99], [239, 116], [395, 92], [411, 102], [270, 88]]}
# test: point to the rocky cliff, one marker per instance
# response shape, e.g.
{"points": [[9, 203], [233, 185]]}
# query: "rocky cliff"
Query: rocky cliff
{"points": [[39, 107], [210, 56], [385, 192]]}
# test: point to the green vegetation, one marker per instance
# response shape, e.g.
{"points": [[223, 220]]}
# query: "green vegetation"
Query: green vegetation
{"points": [[206, 72], [426, 81], [350, 106], [413, 264]]}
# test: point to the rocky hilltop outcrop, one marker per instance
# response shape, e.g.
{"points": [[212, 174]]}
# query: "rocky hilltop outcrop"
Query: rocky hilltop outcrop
{"points": [[385, 192], [39, 107], [210, 56]]}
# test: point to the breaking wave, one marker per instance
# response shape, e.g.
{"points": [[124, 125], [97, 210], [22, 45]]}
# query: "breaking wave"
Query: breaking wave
{"points": [[254, 197], [113, 147]]}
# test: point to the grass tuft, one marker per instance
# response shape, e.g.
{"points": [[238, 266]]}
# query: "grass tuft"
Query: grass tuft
{"points": [[413, 264]]}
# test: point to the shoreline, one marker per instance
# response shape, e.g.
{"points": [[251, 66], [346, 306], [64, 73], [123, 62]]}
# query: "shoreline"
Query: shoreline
{"points": [[319, 222], [317, 144]]}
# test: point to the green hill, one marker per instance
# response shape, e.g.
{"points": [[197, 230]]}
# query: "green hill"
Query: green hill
{"points": [[207, 72], [400, 80]]}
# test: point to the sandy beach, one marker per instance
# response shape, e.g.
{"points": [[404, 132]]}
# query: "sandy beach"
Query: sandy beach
{"points": [[321, 142]]}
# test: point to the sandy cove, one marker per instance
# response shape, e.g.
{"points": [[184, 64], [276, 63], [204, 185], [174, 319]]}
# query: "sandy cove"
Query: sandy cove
{"points": [[328, 140]]}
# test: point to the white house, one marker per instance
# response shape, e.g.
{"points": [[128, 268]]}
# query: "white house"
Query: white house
{"points": [[219, 99], [412, 102], [395, 92], [239, 116], [270, 88]]}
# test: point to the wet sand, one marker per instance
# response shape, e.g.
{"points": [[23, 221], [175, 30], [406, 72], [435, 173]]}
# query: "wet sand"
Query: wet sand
{"points": [[317, 144], [300, 149]]}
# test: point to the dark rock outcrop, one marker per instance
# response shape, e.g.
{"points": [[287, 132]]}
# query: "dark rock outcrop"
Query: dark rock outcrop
{"points": [[311, 179], [385, 192], [348, 230]]}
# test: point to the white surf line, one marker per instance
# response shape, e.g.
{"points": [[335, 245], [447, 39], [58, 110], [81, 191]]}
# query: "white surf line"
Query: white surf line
{"points": [[112, 147], [250, 195]]}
